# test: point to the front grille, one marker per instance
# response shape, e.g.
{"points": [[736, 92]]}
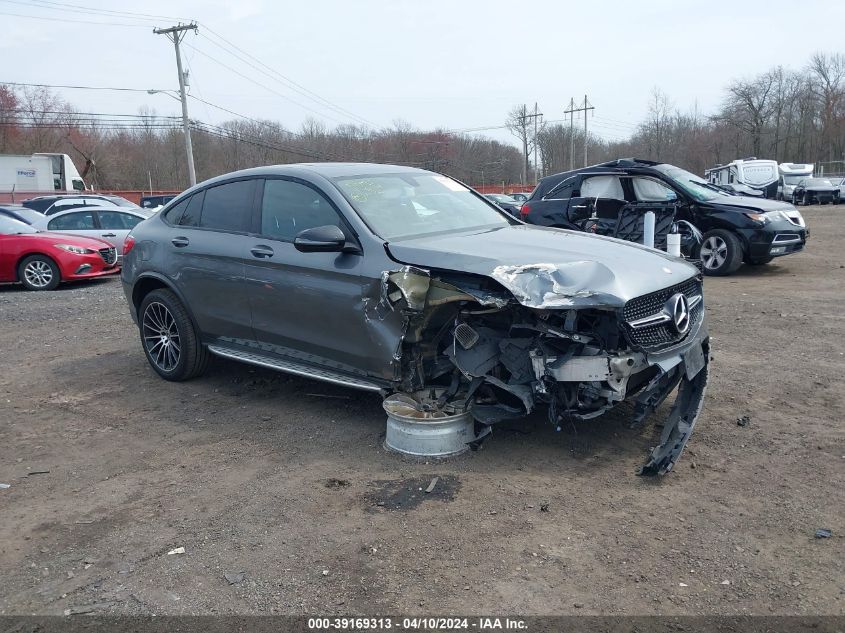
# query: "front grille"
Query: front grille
{"points": [[109, 255], [661, 335]]}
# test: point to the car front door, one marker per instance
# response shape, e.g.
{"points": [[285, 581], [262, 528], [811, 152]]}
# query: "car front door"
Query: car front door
{"points": [[204, 252], [305, 306], [114, 226]]}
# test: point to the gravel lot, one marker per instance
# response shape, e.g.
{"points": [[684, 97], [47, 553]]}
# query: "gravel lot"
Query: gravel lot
{"points": [[281, 483]]}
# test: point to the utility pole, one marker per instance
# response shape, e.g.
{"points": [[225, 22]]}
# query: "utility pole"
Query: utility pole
{"points": [[175, 34], [523, 124], [537, 115], [571, 112]]}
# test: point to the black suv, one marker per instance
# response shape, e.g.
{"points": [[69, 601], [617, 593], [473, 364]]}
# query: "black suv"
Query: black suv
{"points": [[736, 228]]}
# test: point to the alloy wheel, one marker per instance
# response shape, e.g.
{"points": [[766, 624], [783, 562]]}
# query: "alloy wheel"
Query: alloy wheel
{"points": [[161, 336], [714, 252], [38, 273]]}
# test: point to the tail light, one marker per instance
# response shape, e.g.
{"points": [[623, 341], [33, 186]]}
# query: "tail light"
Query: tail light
{"points": [[128, 243], [524, 210]]}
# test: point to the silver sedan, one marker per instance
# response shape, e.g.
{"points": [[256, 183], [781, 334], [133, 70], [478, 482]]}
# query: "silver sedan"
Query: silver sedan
{"points": [[106, 223]]}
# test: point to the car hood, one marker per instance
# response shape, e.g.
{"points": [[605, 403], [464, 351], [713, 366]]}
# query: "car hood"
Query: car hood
{"points": [[745, 203], [827, 188], [549, 268], [54, 237]]}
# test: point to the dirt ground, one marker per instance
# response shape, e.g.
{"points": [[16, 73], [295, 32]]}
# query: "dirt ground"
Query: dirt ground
{"points": [[282, 483]]}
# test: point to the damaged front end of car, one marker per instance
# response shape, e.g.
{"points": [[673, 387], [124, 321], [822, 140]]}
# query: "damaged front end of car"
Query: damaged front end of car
{"points": [[525, 337]]}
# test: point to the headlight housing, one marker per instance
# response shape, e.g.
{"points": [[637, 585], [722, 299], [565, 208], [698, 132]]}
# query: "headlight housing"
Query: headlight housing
{"points": [[70, 248], [769, 216]]}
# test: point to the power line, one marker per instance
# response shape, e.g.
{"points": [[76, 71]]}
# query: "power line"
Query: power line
{"points": [[273, 74], [72, 113], [40, 17], [37, 4], [286, 81], [106, 11], [259, 84], [17, 83]]}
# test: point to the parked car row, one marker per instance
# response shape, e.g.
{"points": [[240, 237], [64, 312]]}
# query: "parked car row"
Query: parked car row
{"points": [[52, 239], [41, 260]]}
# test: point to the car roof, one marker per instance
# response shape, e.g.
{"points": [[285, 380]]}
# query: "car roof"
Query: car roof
{"points": [[327, 170], [139, 211]]}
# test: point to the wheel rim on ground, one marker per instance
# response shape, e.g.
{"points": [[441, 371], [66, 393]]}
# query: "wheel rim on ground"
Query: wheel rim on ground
{"points": [[38, 273], [714, 252], [161, 336]]}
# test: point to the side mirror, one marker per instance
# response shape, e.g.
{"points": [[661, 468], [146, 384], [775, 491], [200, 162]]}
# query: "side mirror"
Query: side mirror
{"points": [[320, 239]]}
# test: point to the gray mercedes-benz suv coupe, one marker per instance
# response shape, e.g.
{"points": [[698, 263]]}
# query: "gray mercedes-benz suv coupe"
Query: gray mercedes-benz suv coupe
{"points": [[402, 280]]}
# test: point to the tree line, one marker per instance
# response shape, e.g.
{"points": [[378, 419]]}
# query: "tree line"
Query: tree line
{"points": [[785, 115], [794, 116]]}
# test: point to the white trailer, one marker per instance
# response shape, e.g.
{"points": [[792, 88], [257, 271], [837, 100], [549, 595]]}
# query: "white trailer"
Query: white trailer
{"points": [[790, 175], [756, 173], [39, 173]]}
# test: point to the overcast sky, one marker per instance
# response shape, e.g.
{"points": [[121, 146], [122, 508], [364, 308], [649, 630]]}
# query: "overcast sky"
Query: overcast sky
{"points": [[431, 63]]}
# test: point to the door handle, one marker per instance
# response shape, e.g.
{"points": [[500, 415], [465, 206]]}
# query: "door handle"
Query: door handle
{"points": [[179, 242], [109, 235], [261, 251]]}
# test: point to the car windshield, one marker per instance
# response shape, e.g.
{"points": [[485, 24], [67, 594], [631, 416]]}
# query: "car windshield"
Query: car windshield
{"points": [[693, 185], [816, 182], [498, 197], [404, 205], [792, 180], [121, 202], [10, 226]]}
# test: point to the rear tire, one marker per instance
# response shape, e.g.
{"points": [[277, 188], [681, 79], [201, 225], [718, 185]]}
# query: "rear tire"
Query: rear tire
{"points": [[39, 272], [171, 343], [720, 252]]}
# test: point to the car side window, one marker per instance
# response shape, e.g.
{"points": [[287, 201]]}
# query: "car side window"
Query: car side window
{"points": [[174, 213], [81, 221], [648, 190], [117, 221], [191, 217], [289, 207], [602, 187], [565, 192], [228, 207]]}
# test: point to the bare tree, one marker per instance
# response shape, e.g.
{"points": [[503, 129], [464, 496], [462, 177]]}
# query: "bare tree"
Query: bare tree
{"points": [[656, 126], [517, 123]]}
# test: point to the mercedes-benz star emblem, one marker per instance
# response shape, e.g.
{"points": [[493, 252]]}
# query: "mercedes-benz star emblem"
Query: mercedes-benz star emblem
{"points": [[678, 309]]}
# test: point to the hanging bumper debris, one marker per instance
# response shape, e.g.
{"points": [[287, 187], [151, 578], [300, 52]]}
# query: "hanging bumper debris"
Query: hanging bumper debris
{"points": [[496, 347]]}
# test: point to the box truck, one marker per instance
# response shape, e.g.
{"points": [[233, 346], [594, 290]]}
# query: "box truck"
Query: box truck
{"points": [[39, 173]]}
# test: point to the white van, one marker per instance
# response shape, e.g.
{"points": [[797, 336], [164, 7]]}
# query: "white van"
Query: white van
{"points": [[790, 175]]}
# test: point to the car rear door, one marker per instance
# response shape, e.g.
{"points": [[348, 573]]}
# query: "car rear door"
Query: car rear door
{"points": [[203, 254], [114, 226], [305, 306]]}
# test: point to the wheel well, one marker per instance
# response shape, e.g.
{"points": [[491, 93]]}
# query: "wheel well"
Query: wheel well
{"points": [[45, 256], [144, 287]]}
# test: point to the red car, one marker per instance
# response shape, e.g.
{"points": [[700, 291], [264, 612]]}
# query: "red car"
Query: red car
{"points": [[41, 259]]}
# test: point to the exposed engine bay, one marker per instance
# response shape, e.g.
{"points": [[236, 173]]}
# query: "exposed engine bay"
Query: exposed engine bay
{"points": [[506, 349]]}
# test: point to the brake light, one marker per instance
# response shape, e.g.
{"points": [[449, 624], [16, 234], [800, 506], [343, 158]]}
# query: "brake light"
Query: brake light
{"points": [[128, 243], [524, 210]]}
